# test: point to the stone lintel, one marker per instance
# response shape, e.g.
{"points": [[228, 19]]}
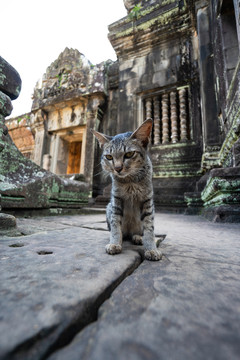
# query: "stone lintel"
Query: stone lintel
{"points": [[72, 97]]}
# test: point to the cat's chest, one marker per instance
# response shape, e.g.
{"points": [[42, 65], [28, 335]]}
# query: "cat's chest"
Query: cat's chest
{"points": [[132, 192]]}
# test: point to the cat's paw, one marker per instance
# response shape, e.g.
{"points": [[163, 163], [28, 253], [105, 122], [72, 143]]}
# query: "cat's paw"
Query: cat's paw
{"points": [[137, 240], [153, 255], [113, 249]]}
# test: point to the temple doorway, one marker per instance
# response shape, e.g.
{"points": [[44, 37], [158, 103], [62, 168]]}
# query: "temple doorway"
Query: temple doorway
{"points": [[74, 157]]}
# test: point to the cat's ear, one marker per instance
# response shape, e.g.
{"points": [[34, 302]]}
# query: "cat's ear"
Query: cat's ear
{"points": [[102, 138], [143, 132]]}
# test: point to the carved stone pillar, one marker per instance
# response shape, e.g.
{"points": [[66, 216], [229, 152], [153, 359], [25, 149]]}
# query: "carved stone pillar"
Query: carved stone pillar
{"points": [[183, 114], [165, 119], [92, 123], [148, 108], [174, 125], [156, 104], [40, 133], [210, 125], [55, 139]]}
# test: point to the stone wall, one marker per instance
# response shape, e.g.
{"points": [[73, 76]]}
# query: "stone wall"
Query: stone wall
{"points": [[21, 133], [179, 65], [221, 195], [158, 78]]}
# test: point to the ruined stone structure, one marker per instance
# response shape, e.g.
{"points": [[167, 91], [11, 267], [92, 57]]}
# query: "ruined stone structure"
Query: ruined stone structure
{"points": [[66, 104], [178, 63], [23, 184]]}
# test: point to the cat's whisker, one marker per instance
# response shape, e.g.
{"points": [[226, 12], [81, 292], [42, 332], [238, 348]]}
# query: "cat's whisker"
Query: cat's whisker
{"points": [[105, 175], [100, 172]]}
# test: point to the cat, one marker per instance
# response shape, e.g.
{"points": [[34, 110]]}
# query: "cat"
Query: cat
{"points": [[130, 212]]}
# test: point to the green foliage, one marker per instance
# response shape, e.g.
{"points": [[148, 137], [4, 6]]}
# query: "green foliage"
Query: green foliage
{"points": [[135, 13], [27, 117], [60, 76]]}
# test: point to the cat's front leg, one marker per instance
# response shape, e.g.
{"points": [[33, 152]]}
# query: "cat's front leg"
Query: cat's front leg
{"points": [[147, 217], [114, 216]]}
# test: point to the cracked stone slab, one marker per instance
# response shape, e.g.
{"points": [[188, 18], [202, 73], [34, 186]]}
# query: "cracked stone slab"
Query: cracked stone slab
{"points": [[182, 308], [28, 226], [51, 285]]}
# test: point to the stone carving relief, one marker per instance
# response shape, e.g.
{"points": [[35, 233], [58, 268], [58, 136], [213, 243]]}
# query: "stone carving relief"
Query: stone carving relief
{"points": [[71, 71]]}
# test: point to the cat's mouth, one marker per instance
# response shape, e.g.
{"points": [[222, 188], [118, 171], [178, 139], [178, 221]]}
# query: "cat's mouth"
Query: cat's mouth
{"points": [[120, 174]]}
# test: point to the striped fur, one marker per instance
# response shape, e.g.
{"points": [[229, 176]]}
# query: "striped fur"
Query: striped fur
{"points": [[130, 213]]}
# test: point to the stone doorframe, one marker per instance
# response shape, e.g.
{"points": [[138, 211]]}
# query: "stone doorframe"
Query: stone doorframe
{"points": [[59, 147]]}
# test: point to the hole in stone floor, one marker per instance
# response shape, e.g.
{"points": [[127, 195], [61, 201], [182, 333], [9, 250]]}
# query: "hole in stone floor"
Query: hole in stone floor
{"points": [[16, 245], [44, 252]]}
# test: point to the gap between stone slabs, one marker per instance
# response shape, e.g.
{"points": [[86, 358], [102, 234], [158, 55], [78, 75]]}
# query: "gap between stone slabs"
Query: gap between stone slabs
{"points": [[46, 301], [92, 314]]}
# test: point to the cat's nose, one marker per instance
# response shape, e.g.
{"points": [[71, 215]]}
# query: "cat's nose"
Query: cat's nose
{"points": [[118, 168]]}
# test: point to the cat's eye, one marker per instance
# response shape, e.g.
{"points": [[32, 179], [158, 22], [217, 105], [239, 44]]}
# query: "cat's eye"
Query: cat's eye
{"points": [[129, 154], [109, 157]]}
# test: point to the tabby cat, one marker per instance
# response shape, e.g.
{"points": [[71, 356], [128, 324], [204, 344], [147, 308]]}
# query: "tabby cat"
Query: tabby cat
{"points": [[130, 213]]}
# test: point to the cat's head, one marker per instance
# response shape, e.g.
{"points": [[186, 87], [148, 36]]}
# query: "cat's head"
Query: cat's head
{"points": [[125, 154]]}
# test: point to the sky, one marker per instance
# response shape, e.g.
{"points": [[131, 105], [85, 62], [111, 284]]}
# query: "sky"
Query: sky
{"points": [[37, 31]]}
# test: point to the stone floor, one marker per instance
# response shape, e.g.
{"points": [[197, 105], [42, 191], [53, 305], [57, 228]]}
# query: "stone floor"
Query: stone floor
{"points": [[62, 297]]}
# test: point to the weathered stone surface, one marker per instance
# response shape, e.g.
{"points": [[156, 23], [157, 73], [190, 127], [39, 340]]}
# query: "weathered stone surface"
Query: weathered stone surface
{"points": [[221, 195], [48, 223], [52, 284], [5, 104], [25, 185], [7, 221], [10, 81], [184, 307]]}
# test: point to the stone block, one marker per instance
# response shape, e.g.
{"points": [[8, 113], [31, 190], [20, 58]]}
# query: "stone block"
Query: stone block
{"points": [[7, 221], [221, 195], [10, 81]]}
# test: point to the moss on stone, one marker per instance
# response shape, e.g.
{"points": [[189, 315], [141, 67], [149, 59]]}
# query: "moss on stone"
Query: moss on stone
{"points": [[162, 19]]}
